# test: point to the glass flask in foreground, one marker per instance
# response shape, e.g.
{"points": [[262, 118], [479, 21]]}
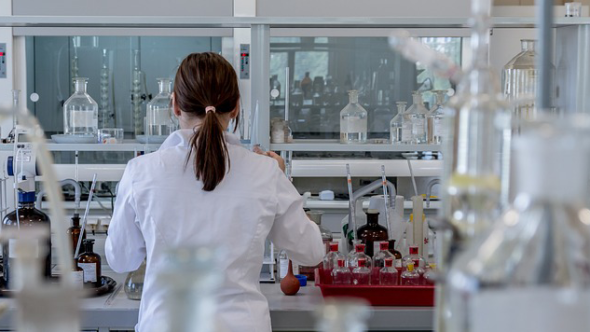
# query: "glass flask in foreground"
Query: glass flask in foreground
{"points": [[342, 315], [434, 119], [80, 111], [519, 80], [353, 121], [134, 283], [158, 121], [400, 127], [417, 114], [539, 250]]}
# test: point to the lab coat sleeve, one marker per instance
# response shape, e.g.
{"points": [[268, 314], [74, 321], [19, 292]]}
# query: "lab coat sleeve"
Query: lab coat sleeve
{"points": [[292, 230], [125, 245]]}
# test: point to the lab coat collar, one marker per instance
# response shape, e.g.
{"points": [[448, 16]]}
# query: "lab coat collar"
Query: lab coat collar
{"points": [[182, 137]]}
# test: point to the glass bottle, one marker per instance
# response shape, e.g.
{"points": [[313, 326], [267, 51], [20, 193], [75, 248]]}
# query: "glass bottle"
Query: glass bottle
{"points": [[519, 80], [89, 261], [361, 274], [297, 94], [353, 121], [359, 253], [331, 259], [414, 258], [430, 275], [75, 230], [538, 250], [78, 275], [80, 111], [435, 119], [134, 283], [159, 111], [398, 255], [371, 234], [283, 264], [388, 274], [382, 88], [409, 277], [400, 127], [26, 216], [417, 114], [379, 260], [327, 237], [306, 86], [341, 275]]}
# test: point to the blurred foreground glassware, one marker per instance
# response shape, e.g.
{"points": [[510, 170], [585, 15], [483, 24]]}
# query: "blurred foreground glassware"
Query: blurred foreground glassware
{"points": [[80, 111], [417, 113], [342, 315], [353, 121], [519, 80], [434, 119], [539, 250], [134, 283], [159, 111]]}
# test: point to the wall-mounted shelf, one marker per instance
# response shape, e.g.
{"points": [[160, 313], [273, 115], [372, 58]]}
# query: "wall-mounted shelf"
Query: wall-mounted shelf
{"points": [[335, 146]]}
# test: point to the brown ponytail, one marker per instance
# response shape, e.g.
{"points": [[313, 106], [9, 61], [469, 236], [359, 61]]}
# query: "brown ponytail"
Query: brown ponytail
{"points": [[207, 80]]}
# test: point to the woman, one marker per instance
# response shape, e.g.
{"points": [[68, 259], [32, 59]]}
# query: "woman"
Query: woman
{"points": [[202, 188]]}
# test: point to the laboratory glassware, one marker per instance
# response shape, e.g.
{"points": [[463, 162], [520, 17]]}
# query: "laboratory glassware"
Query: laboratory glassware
{"points": [[159, 111], [400, 127], [409, 277], [429, 277], [283, 266], [24, 217], [110, 135], [416, 259], [138, 93], [353, 121], [316, 216], [573, 9], [519, 81], [379, 260], [342, 315], [435, 119], [341, 274], [90, 262], [134, 283], [538, 251], [331, 259], [105, 110], [417, 114], [80, 111], [371, 234], [388, 274], [75, 231], [306, 86], [361, 274], [382, 88], [398, 255], [359, 253]]}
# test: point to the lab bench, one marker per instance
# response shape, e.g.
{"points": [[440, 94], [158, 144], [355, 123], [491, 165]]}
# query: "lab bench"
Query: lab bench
{"points": [[288, 313]]}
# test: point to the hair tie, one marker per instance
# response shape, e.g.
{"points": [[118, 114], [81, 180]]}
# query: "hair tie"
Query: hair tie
{"points": [[209, 109]]}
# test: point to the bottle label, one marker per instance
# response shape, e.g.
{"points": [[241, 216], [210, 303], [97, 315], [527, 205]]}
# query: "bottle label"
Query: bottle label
{"points": [[83, 119], [437, 127], [406, 131], [78, 277], [510, 310], [89, 271]]}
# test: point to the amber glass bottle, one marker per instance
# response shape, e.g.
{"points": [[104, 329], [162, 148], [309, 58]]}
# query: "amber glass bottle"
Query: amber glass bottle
{"points": [[372, 233], [75, 230], [89, 261], [28, 216]]}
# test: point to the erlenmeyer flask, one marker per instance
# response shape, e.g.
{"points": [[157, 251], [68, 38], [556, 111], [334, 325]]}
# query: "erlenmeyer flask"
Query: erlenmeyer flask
{"points": [[134, 283]]}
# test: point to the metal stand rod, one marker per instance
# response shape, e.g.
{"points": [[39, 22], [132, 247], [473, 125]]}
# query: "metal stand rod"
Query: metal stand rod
{"points": [[545, 37]]}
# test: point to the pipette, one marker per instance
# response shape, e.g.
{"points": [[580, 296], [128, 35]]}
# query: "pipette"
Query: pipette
{"points": [[385, 195], [413, 178], [83, 226], [351, 207]]}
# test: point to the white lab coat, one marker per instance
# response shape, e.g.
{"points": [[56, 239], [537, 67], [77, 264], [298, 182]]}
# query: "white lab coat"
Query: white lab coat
{"points": [[160, 205]]}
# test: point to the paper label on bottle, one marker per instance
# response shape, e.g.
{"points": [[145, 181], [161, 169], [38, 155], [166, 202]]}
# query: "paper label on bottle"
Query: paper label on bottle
{"points": [[83, 119], [406, 131], [539, 309], [437, 127], [89, 271], [78, 277], [12, 248]]}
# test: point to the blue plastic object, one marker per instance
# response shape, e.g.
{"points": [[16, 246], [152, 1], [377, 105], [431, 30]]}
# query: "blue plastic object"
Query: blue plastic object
{"points": [[26, 197], [302, 279]]}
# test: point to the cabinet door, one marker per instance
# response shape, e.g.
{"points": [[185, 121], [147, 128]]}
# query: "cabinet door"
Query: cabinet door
{"points": [[123, 8]]}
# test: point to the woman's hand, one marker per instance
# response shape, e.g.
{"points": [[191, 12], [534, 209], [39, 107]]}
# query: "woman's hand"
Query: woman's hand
{"points": [[271, 155]]}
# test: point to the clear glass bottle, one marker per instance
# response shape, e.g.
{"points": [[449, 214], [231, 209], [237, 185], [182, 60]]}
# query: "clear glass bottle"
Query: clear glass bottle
{"points": [[519, 79], [90, 262], [435, 119], [417, 114], [353, 121], [134, 283], [25, 216], [388, 274], [331, 259], [409, 277], [382, 88], [359, 253], [416, 260], [283, 265], [80, 111], [341, 274], [371, 234], [379, 260], [429, 277], [159, 111], [400, 127], [361, 274], [538, 251]]}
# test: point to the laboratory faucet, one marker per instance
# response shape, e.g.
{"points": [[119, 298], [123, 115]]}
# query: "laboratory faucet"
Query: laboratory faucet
{"points": [[62, 183], [429, 186]]}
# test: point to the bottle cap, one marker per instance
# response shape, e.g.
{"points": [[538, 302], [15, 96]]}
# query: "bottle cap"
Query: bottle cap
{"points": [[334, 246], [359, 247], [410, 267], [383, 245], [362, 262], [372, 211], [388, 262], [341, 263], [413, 250], [26, 197]]}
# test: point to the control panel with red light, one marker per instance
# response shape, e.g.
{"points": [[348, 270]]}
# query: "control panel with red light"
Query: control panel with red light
{"points": [[245, 61], [2, 60]]}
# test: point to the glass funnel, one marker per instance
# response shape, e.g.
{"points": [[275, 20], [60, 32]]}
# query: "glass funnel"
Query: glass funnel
{"points": [[417, 115], [159, 111], [539, 250], [80, 111], [353, 121], [519, 81]]}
